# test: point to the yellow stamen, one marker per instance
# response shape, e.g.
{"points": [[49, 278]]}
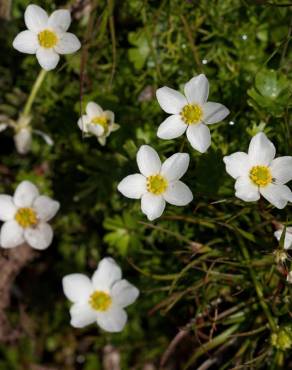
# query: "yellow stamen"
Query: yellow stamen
{"points": [[100, 301], [47, 39], [26, 217], [260, 175], [102, 121], [156, 184], [191, 114]]}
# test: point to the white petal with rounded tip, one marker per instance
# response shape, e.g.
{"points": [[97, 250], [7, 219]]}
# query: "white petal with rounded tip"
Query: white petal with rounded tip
{"points": [[109, 115], [11, 234], [25, 194], [175, 166], [77, 287], [261, 150], [148, 161], [26, 42], [112, 320], [133, 186], [95, 129], [178, 194], [199, 137], [281, 169], [246, 190], [39, 237], [170, 100], [171, 128], [82, 315], [101, 140], [93, 110], [237, 164], [7, 208], [47, 58], [68, 43], [83, 123], [45, 207], [214, 112], [152, 205], [197, 89], [287, 240], [60, 20], [23, 140], [36, 18], [123, 293], [278, 195], [107, 273]]}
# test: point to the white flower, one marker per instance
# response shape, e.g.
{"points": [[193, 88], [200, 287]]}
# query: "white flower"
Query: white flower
{"points": [[46, 36], [23, 140], [258, 173], [97, 122], [25, 217], [157, 183], [101, 299], [288, 236], [289, 277], [190, 113]]}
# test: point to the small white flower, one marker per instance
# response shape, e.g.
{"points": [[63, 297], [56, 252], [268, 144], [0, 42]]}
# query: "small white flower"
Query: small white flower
{"points": [[258, 173], [191, 113], [101, 299], [157, 183], [23, 140], [288, 237], [25, 217], [98, 122], [46, 36]]}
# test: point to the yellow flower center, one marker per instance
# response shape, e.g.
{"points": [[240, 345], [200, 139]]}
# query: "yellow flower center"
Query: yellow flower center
{"points": [[102, 121], [260, 175], [100, 301], [156, 184], [191, 114], [26, 217], [47, 39]]}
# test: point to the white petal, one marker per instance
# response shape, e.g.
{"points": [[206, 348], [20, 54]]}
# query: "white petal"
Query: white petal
{"points": [[197, 89], [152, 205], [11, 234], [23, 140], [112, 320], [83, 123], [178, 194], [95, 129], [133, 186], [282, 169], [148, 161], [287, 240], [109, 115], [170, 100], [39, 237], [214, 112], [175, 166], [93, 110], [82, 315], [47, 58], [107, 273], [261, 150], [45, 207], [7, 208], [199, 137], [26, 42], [278, 195], [123, 293], [36, 18], [68, 43], [101, 140], [171, 127], [3, 126], [237, 164], [77, 287], [60, 20], [246, 190], [25, 194]]}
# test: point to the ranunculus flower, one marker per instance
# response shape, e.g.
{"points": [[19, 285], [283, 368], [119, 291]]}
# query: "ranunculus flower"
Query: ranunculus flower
{"points": [[258, 172], [158, 183], [97, 122], [25, 217], [288, 237], [102, 298], [191, 113], [46, 36]]}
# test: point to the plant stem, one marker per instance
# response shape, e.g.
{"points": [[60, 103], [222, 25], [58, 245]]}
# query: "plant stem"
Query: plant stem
{"points": [[34, 91]]}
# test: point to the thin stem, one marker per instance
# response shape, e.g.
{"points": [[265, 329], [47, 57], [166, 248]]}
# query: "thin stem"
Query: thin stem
{"points": [[34, 91]]}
